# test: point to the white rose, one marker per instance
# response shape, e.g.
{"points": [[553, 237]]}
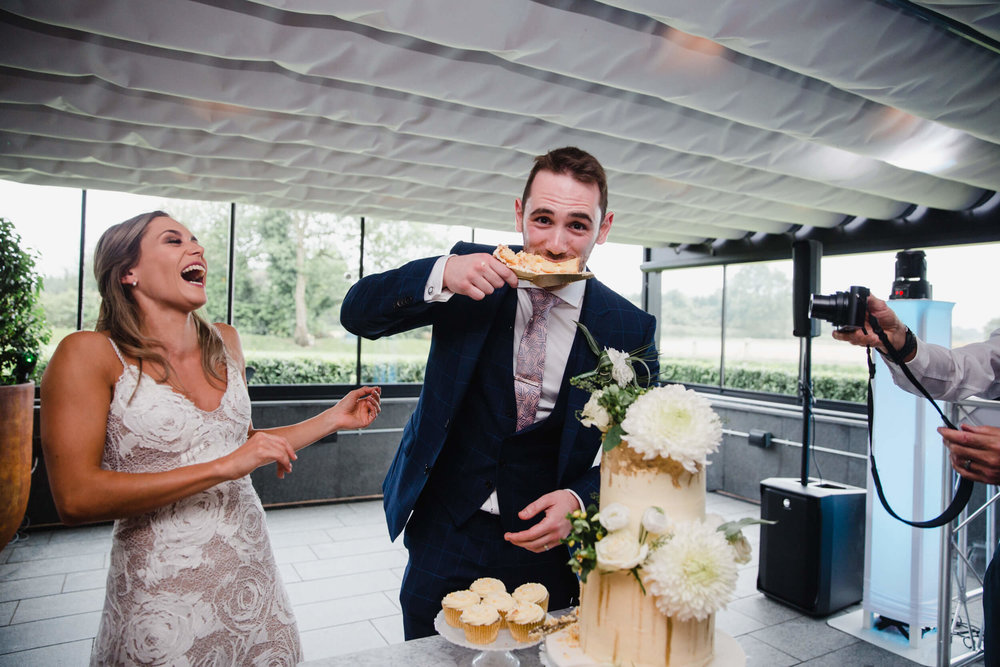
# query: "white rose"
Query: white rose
{"points": [[620, 550], [742, 549], [655, 521], [614, 516], [621, 370], [594, 414]]}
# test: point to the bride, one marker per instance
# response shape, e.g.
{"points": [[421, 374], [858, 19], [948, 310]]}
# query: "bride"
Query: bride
{"points": [[147, 421]]}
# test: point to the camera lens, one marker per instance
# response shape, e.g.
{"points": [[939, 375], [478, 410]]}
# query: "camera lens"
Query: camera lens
{"points": [[833, 308]]}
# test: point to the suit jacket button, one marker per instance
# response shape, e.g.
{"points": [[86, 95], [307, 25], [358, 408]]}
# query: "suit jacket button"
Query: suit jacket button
{"points": [[427, 469], [447, 423], [489, 484]]}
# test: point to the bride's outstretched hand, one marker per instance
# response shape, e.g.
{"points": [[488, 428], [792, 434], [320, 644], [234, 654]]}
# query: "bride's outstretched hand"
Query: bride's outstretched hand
{"points": [[359, 408]]}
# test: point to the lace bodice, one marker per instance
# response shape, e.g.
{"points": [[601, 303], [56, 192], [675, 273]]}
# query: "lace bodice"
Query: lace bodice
{"points": [[194, 582]]}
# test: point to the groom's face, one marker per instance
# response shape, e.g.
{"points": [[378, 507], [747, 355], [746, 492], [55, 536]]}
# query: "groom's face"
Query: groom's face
{"points": [[561, 218]]}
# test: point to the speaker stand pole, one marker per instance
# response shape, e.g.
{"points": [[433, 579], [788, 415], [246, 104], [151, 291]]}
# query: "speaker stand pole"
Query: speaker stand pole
{"points": [[805, 391]]}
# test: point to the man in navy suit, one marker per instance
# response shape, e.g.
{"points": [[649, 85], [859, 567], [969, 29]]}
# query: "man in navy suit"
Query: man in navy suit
{"points": [[478, 495]]}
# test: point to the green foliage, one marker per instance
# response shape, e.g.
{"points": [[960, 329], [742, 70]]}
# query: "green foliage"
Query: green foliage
{"points": [[23, 330], [830, 385], [313, 370]]}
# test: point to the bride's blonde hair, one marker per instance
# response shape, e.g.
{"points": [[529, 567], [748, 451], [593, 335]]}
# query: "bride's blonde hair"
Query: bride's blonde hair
{"points": [[117, 252]]}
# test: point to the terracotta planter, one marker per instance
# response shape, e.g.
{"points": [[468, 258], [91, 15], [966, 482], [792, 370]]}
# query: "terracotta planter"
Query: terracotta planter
{"points": [[16, 422]]}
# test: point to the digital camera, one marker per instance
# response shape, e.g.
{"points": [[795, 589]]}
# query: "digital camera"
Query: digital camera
{"points": [[844, 310]]}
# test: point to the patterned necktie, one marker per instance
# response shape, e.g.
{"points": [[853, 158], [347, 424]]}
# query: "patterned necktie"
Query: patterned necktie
{"points": [[531, 357]]}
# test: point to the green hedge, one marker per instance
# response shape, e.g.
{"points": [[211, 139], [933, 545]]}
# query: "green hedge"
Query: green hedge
{"points": [[304, 370], [833, 385]]}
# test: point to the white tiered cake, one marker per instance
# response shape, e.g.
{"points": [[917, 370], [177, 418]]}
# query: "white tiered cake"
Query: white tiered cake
{"points": [[655, 569], [618, 623]]}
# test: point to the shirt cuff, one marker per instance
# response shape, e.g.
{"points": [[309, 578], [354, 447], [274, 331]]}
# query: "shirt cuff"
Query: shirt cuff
{"points": [[578, 500], [434, 290]]}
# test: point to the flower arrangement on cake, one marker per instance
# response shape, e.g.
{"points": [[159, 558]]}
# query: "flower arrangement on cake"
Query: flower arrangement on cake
{"points": [[688, 566]]}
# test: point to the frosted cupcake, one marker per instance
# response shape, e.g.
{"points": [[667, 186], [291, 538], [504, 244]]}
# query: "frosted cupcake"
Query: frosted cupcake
{"points": [[502, 602], [455, 603], [481, 623], [523, 618], [535, 593], [487, 585]]}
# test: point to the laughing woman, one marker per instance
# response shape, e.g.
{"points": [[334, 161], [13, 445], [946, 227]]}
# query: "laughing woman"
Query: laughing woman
{"points": [[147, 421]]}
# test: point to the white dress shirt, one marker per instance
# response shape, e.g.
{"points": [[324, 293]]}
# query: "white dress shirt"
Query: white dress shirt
{"points": [[957, 373]]}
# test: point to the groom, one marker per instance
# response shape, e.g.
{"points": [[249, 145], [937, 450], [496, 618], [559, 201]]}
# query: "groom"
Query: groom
{"points": [[493, 457]]}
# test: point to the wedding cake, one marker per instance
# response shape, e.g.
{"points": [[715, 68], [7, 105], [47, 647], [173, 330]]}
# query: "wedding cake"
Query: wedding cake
{"points": [[654, 568]]}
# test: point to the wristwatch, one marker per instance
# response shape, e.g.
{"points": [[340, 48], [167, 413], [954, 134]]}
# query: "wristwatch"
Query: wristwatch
{"points": [[909, 345]]}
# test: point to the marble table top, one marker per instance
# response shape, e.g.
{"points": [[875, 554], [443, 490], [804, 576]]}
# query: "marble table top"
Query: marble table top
{"points": [[433, 651]]}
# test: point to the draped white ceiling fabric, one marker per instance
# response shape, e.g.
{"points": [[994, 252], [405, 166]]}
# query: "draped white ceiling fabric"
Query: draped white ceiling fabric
{"points": [[716, 121]]}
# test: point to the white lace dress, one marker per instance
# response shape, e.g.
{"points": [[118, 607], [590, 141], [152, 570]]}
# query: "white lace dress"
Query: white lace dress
{"points": [[195, 582]]}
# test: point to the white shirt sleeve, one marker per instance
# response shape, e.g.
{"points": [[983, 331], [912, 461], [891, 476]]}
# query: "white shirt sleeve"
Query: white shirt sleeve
{"points": [[434, 290], [957, 373]]}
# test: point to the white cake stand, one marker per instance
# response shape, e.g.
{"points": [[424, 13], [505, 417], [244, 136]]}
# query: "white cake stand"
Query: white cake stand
{"points": [[562, 649], [497, 654]]}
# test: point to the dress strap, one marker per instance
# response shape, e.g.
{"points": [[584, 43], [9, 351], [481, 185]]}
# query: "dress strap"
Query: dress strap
{"points": [[118, 353]]}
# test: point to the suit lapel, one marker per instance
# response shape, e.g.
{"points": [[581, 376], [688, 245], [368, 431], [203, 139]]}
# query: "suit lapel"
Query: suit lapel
{"points": [[581, 359]]}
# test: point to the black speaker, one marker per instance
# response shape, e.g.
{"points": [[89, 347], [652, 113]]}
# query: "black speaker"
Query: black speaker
{"points": [[805, 282], [813, 558]]}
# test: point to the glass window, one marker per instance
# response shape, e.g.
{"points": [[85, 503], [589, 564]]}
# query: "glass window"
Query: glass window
{"points": [[690, 323], [48, 222], [388, 245], [292, 271], [761, 352]]}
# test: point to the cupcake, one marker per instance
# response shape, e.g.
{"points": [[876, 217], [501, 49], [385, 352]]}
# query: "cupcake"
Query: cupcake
{"points": [[481, 623], [535, 593], [502, 602], [454, 603], [487, 585], [523, 618]]}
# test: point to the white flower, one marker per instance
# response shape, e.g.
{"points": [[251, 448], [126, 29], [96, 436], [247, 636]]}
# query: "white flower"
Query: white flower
{"points": [[614, 516], [620, 550], [742, 549], [673, 422], [655, 521], [692, 575], [594, 414], [621, 370]]}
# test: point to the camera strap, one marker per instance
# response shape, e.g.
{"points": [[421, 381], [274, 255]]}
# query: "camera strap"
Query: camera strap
{"points": [[964, 490]]}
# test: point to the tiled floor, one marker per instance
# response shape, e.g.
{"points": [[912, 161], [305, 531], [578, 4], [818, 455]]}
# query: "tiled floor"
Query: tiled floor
{"points": [[343, 576]]}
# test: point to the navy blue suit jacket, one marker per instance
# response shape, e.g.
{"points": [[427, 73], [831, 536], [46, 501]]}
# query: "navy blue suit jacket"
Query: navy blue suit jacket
{"points": [[391, 302]]}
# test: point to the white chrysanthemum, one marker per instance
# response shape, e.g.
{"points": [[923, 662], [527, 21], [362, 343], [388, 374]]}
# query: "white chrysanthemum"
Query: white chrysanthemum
{"points": [[594, 414], [621, 370], [673, 422], [693, 574], [620, 550], [614, 516]]}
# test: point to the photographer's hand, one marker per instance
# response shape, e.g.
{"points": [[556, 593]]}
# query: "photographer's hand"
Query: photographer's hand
{"points": [[894, 330], [974, 452]]}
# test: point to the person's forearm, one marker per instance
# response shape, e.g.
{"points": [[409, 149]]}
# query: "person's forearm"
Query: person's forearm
{"points": [[306, 432], [109, 495]]}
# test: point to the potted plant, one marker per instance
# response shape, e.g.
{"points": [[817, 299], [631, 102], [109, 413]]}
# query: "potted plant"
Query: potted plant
{"points": [[23, 332]]}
